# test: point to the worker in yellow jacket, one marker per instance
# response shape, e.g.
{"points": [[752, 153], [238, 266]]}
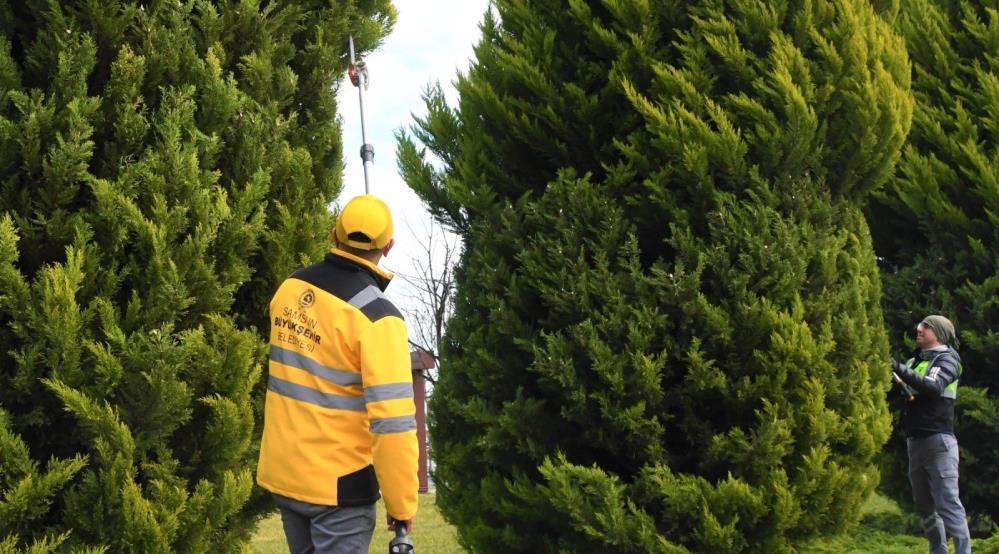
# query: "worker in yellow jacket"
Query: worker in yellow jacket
{"points": [[339, 419]]}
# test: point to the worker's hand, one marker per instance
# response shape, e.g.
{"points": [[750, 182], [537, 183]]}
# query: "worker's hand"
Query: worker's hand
{"points": [[407, 523], [901, 370], [894, 372]]}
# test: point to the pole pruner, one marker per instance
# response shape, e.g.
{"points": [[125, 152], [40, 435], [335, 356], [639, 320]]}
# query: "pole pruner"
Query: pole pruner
{"points": [[357, 72]]}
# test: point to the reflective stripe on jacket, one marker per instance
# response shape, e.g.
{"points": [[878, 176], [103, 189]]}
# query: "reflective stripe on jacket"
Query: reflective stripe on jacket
{"points": [[950, 391], [931, 410], [339, 418]]}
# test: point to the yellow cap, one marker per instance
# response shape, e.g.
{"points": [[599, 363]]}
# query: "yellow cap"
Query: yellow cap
{"points": [[365, 223]]}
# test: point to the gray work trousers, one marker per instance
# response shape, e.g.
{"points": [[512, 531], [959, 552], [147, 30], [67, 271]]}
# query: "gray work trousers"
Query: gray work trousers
{"points": [[933, 462], [315, 529]]}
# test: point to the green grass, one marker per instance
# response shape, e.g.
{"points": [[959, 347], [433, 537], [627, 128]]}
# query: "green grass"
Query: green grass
{"points": [[884, 529], [430, 532]]}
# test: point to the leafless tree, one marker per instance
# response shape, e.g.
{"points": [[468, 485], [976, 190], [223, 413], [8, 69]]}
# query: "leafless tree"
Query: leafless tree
{"points": [[433, 284]]}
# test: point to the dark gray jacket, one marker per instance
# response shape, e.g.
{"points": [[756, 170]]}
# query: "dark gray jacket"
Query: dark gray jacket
{"points": [[931, 409]]}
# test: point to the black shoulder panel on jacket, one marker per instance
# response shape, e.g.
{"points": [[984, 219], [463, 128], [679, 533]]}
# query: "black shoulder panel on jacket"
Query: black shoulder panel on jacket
{"points": [[342, 284], [380, 308]]}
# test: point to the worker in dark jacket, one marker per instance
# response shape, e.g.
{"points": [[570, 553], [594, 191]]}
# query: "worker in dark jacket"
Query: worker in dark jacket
{"points": [[929, 380]]}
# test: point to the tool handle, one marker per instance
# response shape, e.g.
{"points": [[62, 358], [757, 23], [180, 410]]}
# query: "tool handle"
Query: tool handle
{"points": [[909, 391], [401, 544]]}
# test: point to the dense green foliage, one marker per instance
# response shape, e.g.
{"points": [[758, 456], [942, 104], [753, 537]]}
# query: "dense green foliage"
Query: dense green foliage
{"points": [[668, 334], [162, 166], [936, 227]]}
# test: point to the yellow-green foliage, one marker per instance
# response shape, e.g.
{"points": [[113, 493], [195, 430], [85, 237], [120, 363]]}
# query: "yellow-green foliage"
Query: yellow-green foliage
{"points": [[936, 227], [668, 334], [163, 165]]}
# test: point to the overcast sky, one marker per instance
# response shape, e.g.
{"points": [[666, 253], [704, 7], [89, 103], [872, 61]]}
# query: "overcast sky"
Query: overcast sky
{"points": [[432, 40]]}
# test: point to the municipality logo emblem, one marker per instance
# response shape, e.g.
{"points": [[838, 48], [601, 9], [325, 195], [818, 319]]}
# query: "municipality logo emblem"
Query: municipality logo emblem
{"points": [[307, 299]]}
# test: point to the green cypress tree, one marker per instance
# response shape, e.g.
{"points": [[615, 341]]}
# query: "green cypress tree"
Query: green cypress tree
{"points": [[667, 334], [163, 165], [936, 227]]}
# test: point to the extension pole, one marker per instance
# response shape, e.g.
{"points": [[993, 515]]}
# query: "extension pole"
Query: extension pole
{"points": [[359, 78]]}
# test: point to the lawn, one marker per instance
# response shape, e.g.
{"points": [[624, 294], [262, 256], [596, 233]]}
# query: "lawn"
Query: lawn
{"points": [[884, 529], [430, 532]]}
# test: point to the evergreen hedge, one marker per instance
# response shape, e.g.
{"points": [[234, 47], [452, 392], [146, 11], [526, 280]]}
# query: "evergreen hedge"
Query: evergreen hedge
{"points": [[936, 228], [163, 165], [668, 334]]}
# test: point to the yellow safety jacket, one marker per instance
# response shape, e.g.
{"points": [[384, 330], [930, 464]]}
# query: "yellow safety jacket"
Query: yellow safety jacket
{"points": [[339, 412]]}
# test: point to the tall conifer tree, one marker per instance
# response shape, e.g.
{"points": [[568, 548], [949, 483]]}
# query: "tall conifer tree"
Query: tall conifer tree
{"points": [[667, 335], [936, 226], [162, 166]]}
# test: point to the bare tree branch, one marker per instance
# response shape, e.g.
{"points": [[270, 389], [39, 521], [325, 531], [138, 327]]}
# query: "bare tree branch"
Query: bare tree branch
{"points": [[434, 282]]}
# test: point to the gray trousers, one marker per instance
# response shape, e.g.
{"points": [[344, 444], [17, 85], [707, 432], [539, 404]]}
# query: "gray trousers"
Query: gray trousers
{"points": [[933, 462], [315, 529]]}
